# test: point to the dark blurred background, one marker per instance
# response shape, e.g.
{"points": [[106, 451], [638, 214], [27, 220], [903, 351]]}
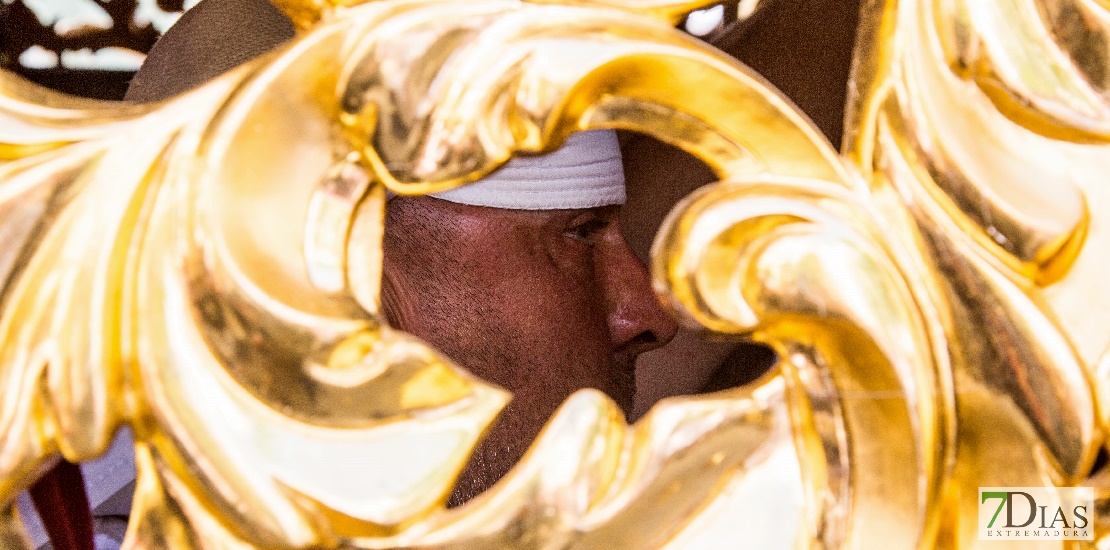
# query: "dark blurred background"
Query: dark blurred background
{"points": [[82, 47]]}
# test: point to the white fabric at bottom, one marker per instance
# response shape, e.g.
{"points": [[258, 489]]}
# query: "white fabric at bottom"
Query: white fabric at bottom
{"points": [[104, 477]]}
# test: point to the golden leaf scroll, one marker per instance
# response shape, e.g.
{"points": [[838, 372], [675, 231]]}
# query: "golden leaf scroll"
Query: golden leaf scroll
{"points": [[207, 271]]}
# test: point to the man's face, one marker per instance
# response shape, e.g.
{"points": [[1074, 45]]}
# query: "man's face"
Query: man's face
{"points": [[542, 303]]}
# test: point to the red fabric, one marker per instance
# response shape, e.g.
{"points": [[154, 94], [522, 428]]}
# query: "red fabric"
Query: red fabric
{"points": [[62, 504]]}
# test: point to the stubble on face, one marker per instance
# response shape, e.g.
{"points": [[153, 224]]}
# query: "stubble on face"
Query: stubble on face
{"points": [[513, 297]]}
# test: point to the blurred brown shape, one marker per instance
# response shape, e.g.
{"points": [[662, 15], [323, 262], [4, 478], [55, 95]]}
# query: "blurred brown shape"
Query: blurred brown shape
{"points": [[20, 29]]}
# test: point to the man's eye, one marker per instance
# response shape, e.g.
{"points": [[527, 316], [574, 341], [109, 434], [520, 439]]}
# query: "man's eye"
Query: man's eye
{"points": [[586, 231]]}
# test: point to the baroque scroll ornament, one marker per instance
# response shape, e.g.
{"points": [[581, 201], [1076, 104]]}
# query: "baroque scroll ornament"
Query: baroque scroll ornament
{"points": [[207, 271]]}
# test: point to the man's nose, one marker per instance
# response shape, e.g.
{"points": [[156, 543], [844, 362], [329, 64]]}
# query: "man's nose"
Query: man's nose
{"points": [[637, 320]]}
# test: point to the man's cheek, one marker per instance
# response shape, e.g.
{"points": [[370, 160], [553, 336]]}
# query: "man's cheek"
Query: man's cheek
{"points": [[562, 285]]}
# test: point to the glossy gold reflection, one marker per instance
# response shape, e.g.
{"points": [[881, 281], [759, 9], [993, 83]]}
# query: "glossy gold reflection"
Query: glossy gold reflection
{"points": [[207, 270]]}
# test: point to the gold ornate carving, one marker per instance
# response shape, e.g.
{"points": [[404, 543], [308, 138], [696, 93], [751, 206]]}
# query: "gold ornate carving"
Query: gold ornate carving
{"points": [[981, 120], [207, 270]]}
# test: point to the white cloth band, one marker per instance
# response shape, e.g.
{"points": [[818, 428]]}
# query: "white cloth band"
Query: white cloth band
{"points": [[585, 173]]}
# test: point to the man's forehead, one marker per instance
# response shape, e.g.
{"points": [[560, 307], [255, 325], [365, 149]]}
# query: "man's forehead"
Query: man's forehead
{"points": [[440, 209]]}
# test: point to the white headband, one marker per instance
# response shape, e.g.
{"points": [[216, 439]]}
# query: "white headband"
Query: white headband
{"points": [[585, 173]]}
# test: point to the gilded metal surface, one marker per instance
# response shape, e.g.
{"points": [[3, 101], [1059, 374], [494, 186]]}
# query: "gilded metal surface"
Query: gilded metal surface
{"points": [[207, 270], [986, 122]]}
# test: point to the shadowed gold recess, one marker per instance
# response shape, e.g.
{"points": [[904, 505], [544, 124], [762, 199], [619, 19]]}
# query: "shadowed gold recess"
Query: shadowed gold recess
{"points": [[207, 270]]}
